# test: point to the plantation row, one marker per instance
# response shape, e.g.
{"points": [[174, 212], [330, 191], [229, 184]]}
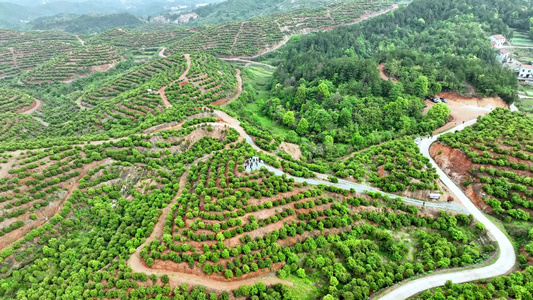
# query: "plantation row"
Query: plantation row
{"points": [[393, 166], [27, 55], [500, 147], [80, 62], [208, 80], [108, 176], [18, 126], [251, 37], [9, 38], [13, 100], [133, 39], [30, 55], [161, 69], [38, 180]]}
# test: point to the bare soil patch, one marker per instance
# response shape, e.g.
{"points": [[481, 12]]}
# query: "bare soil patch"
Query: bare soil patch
{"points": [[291, 149], [384, 75], [464, 108]]}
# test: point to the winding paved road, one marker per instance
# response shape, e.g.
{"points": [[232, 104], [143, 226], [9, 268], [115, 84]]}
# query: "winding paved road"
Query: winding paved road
{"points": [[506, 259]]}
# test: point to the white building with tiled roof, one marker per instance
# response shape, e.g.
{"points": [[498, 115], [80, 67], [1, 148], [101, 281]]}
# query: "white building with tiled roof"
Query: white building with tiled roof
{"points": [[525, 71], [497, 40], [503, 55]]}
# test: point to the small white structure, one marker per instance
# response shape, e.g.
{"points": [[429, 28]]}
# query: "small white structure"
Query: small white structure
{"points": [[186, 18], [503, 56], [525, 71], [497, 40], [434, 196]]}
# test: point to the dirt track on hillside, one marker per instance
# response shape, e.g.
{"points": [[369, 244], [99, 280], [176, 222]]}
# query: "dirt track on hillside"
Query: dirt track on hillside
{"points": [[36, 105], [183, 76], [236, 94]]}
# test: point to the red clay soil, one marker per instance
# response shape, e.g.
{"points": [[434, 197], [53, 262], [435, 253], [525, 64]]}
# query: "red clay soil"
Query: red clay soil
{"points": [[456, 164], [36, 105], [25, 109], [465, 108], [164, 96], [384, 75]]}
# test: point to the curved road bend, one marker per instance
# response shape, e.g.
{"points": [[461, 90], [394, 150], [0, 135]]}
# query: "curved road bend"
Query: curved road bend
{"points": [[322, 178], [504, 263], [506, 259]]}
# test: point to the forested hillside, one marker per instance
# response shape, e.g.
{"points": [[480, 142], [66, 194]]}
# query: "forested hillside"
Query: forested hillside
{"points": [[327, 88], [86, 24]]}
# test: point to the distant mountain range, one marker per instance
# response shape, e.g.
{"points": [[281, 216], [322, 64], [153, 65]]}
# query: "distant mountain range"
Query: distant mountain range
{"points": [[238, 10], [17, 14]]}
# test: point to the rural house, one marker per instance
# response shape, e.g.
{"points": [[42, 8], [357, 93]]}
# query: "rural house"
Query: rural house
{"points": [[503, 56], [525, 71], [497, 40]]}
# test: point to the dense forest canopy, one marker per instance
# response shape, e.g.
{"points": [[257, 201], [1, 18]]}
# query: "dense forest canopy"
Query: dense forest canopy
{"points": [[86, 24], [327, 86]]}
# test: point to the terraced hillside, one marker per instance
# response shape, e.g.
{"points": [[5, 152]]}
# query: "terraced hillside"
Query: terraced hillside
{"points": [[197, 211], [252, 37], [143, 97], [128, 38], [393, 166], [78, 63], [162, 68], [207, 80], [494, 161], [9, 38], [18, 126], [15, 101]]}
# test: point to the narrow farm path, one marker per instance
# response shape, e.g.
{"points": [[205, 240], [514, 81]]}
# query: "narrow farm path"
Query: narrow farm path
{"points": [[236, 38], [35, 106], [249, 62], [236, 94], [183, 76], [506, 256], [14, 57], [81, 41], [178, 278], [162, 52]]}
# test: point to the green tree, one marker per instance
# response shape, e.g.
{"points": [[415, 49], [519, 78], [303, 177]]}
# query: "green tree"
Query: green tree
{"points": [[323, 92], [164, 278], [288, 118], [302, 127], [300, 96], [439, 111], [328, 140], [345, 117], [435, 88], [421, 86]]}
